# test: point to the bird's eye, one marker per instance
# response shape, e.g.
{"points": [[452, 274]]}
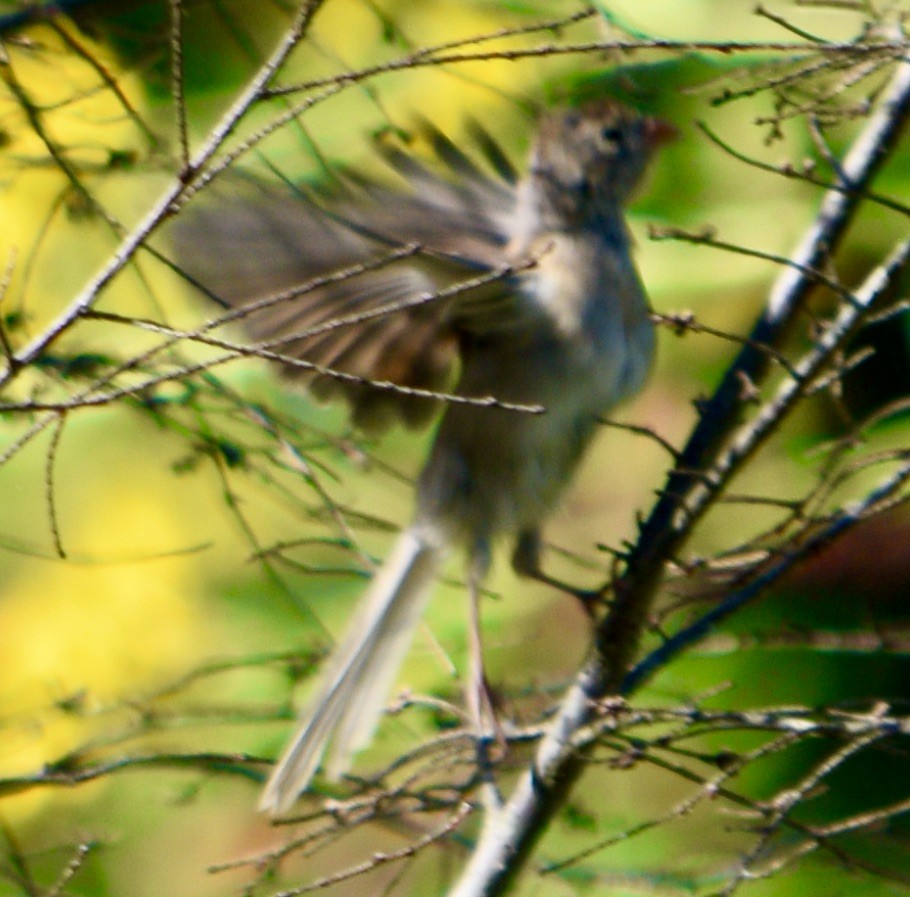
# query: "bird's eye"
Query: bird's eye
{"points": [[611, 134]]}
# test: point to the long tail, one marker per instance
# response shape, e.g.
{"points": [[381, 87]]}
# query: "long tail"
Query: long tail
{"points": [[354, 690]]}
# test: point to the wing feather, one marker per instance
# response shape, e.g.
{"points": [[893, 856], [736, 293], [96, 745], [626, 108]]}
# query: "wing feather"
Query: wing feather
{"points": [[245, 240]]}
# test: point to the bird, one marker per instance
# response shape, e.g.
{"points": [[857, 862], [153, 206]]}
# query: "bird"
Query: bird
{"points": [[475, 280]]}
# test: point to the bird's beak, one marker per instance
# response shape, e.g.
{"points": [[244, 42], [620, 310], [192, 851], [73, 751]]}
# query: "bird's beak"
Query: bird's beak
{"points": [[658, 132]]}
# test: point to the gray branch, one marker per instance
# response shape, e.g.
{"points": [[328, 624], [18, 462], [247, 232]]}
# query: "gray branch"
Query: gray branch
{"points": [[509, 835]]}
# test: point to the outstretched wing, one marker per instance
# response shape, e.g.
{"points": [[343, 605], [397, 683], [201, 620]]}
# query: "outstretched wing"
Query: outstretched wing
{"points": [[399, 321]]}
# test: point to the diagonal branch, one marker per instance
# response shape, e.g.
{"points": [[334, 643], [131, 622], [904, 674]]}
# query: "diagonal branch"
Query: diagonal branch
{"points": [[162, 207], [509, 836]]}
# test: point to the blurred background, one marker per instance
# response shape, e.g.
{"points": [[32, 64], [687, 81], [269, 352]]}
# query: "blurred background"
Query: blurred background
{"points": [[175, 560]]}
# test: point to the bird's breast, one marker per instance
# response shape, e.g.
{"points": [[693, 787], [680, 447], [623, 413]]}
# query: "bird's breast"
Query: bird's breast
{"points": [[582, 342]]}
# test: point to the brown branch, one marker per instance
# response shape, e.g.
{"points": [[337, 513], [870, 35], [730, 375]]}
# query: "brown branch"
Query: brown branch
{"points": [[432, 57]]}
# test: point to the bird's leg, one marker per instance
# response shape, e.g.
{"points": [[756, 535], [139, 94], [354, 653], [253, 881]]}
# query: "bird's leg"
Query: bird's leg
{"points": [[480, 702], [526, 562], [479, 696]]}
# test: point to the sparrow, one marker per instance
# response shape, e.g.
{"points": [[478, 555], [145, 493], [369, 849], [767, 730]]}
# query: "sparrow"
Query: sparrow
{"points": [[474, 281]]}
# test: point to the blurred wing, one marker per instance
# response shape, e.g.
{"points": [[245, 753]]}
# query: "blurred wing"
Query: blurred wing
{"points": [[243, 240]]}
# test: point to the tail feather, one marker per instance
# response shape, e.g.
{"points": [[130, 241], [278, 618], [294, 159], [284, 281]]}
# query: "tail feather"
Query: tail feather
{"points": [[351, 698]]}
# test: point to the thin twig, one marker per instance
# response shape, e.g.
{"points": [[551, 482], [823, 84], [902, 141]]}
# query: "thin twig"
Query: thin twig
{"points": [[383, 858], [877, 501], [842, 185], [177, 83], [432, 57], [50, 489]]}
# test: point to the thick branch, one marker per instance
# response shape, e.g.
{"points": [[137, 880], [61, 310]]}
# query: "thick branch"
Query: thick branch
{"points": [[509, 836]]}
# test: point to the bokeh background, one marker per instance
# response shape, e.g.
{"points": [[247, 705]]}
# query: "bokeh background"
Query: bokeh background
{"points": [[172, 562]]}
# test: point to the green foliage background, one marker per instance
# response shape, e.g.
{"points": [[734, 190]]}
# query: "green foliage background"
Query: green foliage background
{"points": [[170, 568]]}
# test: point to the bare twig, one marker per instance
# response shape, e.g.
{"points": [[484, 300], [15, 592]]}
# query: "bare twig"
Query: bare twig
{"points": [[50, 487], [436, 57], [177, 84]]}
